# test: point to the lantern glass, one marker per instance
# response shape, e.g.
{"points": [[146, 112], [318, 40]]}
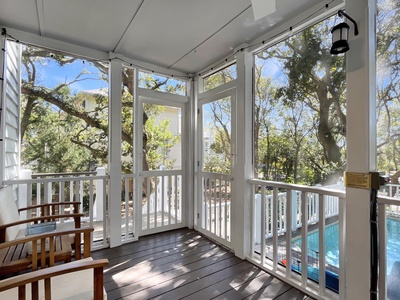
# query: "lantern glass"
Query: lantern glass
{"points": [[340, 34]]}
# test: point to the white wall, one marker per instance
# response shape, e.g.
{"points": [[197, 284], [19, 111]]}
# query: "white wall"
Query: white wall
{"points": [[11, 111]]}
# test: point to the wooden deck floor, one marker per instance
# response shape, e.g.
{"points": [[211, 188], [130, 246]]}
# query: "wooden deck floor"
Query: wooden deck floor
{"points": [[183, 264]]}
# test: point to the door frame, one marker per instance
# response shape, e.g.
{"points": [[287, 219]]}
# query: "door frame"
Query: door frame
{"points": [[163, 99], [206, 98]]}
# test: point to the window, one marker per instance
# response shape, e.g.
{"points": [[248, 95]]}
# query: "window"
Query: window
{"points": [[300, 110], [161, 83], [220, 77], [64, 111]]}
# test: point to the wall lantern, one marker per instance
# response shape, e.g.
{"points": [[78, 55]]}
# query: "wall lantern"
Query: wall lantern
{"points": [[340, 35]]}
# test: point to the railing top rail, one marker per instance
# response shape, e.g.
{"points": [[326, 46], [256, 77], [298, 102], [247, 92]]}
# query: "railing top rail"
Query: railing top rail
{"points": [[41, 175], [128, 175], [392, 184], [54, 179], [217, 176], [162, 173], [388, 200], [298, 187]]}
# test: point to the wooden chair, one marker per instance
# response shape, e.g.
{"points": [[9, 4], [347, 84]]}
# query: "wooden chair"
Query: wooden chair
{"points": [[13, 227], [80, 279], [47, 248]]}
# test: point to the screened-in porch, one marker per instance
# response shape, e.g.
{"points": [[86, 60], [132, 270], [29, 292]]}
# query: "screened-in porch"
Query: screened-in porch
{"points": [[225, 123]]}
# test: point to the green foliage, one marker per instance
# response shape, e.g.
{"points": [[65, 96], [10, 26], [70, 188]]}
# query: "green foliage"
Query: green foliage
{"points": [[47, 143], [300, 116], [159, 142], [219, 78], [65, 130], [388, 86]]}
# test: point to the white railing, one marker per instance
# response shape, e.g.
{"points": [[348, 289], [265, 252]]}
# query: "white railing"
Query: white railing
{"points": [[331, 210], [216, 207], [390, 190], [88, 188], [162, 203], [280, 206], [388, 208]]}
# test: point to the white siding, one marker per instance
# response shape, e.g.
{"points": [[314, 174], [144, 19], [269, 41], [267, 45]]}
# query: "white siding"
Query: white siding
{"points": [[11, 111]]}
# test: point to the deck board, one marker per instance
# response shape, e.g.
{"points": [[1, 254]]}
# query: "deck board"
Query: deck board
{"points": [[183, 264]]}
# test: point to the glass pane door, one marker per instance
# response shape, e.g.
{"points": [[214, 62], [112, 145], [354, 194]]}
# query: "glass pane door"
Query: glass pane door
{"points": [[161, 188], [216, 163]]}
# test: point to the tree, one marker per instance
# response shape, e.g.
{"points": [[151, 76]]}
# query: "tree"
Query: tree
{"points": [[309, 78], [80, 127], [388, 85]]}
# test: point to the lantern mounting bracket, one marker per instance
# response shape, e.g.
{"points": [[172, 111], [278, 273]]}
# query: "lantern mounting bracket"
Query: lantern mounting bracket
{"points": [[341, 13]]}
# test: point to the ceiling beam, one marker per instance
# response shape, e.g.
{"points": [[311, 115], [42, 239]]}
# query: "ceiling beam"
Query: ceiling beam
{"points": [[123, 37], [40, 14]]}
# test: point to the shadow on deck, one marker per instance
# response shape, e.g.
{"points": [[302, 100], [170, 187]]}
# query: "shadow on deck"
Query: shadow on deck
{"points": [[183, 264]]}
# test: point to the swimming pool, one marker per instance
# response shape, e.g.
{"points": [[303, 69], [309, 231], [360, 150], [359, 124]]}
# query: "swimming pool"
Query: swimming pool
{"points": [[332, 243]]}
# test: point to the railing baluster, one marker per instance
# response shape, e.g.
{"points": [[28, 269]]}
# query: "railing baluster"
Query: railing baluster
{"points": [[342, 262], [304, 248], [220, 208], [91, 202], [263, 223], [162, 199], [289, 208], [253, 217], [321, 258], [275, 210], [156, 184], [148, 183], [61, 197], [126, 200], [226, 184], [176, 198], [169, 197], [105, 219], [382, 284]]}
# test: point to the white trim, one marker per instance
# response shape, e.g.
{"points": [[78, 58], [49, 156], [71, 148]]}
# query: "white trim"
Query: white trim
{"points": [[2, 107], [222, 65], [40, 41], [151, 95], [74, 49], [361, 145], [114, 156], [220, 89], [205, 98], [139, 155], [148, 66], [41, 17], [243, 153]]}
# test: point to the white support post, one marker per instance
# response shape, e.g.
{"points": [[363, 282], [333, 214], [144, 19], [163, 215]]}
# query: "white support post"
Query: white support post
{"points": [[98, 203], [361, 145], [23, 192], [243, 167], [114, 196]]}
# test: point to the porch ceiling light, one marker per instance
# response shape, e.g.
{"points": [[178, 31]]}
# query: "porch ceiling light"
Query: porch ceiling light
{"points": [[340, 35]]}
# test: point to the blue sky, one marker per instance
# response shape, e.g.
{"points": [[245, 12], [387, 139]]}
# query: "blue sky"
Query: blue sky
{"points": [[50, 74]]}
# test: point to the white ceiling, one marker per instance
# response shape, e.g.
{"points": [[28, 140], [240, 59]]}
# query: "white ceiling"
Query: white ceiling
{"points": [[181, 35]]}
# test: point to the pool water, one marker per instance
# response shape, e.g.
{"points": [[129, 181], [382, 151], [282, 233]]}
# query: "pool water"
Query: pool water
{"points": [[332, 243]]}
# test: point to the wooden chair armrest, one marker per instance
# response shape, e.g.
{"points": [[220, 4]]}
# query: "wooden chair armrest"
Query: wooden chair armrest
{"points": [[42, 218], [49, 204], [70, 267], [36, 237]]}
